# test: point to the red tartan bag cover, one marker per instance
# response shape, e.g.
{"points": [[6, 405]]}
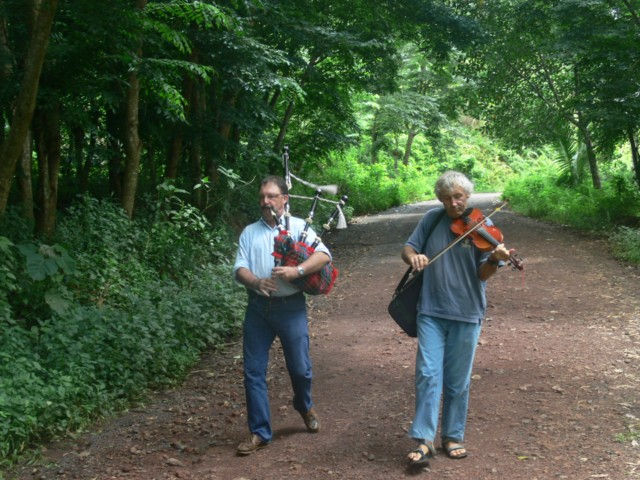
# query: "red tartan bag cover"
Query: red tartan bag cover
{"points": [[292, 253]]}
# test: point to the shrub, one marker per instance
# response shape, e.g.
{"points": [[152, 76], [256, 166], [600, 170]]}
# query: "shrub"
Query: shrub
{"points": [[540, 192], [84, 336], [625, 242], [8, 281], [375, 187]]}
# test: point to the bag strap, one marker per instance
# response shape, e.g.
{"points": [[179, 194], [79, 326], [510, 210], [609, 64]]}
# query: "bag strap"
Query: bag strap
{"points": [[405, 280]]}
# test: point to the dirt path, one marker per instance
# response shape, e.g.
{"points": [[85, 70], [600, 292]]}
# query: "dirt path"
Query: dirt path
{"points": [[556, 378]]}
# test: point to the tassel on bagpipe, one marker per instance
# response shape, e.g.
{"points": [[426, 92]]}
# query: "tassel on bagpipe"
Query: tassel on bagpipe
{"points": [[332, 218]]}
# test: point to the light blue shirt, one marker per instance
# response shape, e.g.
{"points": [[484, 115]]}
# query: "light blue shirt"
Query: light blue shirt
{"points": [[255, 249], [451, 288]]}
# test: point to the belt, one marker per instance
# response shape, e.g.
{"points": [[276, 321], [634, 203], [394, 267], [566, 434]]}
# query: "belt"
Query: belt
{"points": [[274, 300]]}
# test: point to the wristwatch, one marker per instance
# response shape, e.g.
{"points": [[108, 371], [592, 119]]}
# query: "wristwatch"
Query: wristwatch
{"points": [[300, 271]]}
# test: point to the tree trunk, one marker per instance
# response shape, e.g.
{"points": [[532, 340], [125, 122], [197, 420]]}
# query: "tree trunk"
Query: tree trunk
{"points": [[274, 98], [77, 140], [407, 148], [177, 141], [151, 165], [3, 121], [132, 143], [279, 143], [13, 145], [195, 151], [24, 177], [591, 155], [48, 141], [174, 154], [232, 154], [6, 67], [224, 132], [375, 140], [114, 152], [635, 155], [83, 175]]}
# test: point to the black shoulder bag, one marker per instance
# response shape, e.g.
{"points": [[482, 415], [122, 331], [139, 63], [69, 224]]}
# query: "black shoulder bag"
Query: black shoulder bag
{"points": [[404, 303]]}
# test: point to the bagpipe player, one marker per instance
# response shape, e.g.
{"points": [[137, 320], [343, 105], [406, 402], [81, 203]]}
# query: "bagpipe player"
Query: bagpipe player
{"points": [[275, 307]]}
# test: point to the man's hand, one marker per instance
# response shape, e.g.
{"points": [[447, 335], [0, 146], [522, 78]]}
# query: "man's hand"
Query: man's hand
{"points": [[500, 253], [418, 262], [285, 273], [265, 286]]}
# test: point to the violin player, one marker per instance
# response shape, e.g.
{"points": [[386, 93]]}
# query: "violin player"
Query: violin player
{"points": [[275, 308], [451, 308]]}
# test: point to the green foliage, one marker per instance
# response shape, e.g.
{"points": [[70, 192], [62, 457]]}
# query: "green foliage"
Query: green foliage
{"points": [[180, 237], [375, 187], [107, 253], [219, 80], [8, 281], [483, 160], [540, 192], [94, 360], [626, 244], [132, 311], [44, 261], [631, 435]]}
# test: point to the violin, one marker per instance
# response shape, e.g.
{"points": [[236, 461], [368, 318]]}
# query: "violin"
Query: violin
{"points": [[485, 237]]}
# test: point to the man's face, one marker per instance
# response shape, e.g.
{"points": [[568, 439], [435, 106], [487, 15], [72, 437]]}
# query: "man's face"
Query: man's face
{"points": [[271, 198], [454, 201]]}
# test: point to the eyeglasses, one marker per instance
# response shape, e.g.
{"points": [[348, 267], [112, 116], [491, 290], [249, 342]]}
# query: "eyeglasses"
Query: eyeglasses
{"points": [[272, 196]]}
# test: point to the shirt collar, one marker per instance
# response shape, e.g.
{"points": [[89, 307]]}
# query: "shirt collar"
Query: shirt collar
{"points": [[269, 226]]}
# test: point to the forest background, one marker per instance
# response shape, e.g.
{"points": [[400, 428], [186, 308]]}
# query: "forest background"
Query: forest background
{"points": [[135, 134]]}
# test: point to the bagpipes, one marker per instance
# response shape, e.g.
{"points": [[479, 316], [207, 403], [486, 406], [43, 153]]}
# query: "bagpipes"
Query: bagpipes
{"points": [[290, 252]]}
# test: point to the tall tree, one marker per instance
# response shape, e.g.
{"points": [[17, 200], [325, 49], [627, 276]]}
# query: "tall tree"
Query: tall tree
{"points": [[132, 142], [13, 145], [47, 128], [530, 84]]}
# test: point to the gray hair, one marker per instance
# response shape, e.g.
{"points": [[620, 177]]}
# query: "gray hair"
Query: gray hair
{"points": [[452, 179]]}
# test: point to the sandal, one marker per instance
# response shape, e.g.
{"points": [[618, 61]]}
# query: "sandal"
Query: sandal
{"points": [[451, 447], [423, 459]]}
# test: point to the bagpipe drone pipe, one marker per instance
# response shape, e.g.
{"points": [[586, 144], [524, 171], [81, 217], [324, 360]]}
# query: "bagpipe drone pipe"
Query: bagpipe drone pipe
{"points": [[291, 252]]}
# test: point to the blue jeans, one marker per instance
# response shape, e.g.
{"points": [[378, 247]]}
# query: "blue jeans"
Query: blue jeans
{"points": [[265, 318], [446, 349]]}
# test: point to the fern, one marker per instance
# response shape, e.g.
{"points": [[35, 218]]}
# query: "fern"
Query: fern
{"points": [[204, 15]]}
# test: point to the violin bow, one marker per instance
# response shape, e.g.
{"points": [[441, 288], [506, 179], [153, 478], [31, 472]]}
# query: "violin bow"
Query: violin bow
{"points": [[465, 234]]}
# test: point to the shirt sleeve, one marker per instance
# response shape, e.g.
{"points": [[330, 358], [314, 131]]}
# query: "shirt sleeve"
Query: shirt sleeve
{"points": [[311, 236], [242, 256], [417, 238]]}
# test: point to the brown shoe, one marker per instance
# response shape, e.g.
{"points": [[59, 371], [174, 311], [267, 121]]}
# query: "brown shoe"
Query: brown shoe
{"points": [[311, 420], [254, 443]]}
